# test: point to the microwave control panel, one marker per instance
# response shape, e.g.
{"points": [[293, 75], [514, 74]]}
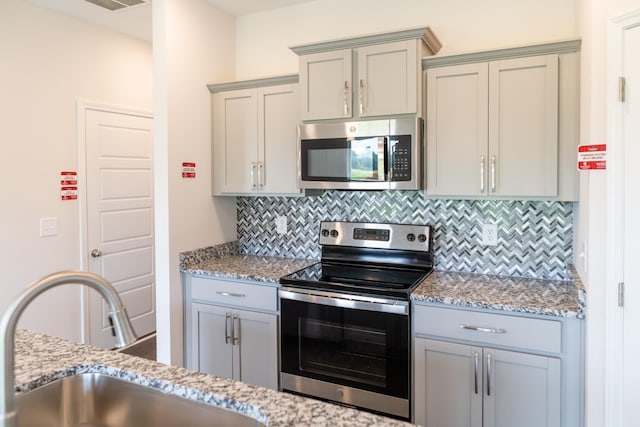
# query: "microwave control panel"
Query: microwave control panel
{"points": [[401, 158]]}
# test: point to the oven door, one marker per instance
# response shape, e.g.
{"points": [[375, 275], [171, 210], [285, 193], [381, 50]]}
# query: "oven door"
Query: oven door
{"points": [[348, 349]]}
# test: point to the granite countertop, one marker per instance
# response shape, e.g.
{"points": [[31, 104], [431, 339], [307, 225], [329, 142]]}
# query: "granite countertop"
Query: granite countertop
{"points": [[533, 296], [248, 267], [521, 295], [41, 359]]}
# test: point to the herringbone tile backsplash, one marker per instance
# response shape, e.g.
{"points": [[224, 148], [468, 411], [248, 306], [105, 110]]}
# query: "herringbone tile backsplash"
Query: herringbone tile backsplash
{"points": [[535, 239]]}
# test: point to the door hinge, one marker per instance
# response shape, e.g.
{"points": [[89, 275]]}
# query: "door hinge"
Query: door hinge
{"points": [[621, 88], [621, 294]]}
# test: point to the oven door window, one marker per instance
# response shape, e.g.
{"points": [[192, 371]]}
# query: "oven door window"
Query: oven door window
{"points": [[343, 160], [363, 349]]}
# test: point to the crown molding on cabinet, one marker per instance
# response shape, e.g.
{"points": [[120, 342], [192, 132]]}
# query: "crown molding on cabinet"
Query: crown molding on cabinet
{"points": [[564, 46], [428, 37], [248, 84]]}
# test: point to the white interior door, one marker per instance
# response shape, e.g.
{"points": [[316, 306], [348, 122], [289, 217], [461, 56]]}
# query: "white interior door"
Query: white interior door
{"points": [[119, 219], [630, 134]]}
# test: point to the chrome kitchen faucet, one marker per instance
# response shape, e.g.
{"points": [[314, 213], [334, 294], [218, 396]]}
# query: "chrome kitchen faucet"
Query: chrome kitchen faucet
{"points": [[121, 323]]}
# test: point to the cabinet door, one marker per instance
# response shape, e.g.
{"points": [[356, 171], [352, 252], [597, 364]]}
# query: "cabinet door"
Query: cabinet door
{"points": [[521, 390], [278, 112], [212, 351], [235, 136], [325, 85], [448, 384], [457, 135], [256, 353], [387, 79], [523, 126]]}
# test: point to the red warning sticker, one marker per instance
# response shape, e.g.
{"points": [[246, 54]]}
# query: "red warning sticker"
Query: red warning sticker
{"points": [[592, 157], [188, 170]]}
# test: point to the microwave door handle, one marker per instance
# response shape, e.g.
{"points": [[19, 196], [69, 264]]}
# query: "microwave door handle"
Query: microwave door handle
{"points": [[347, 165], [392, 156], [382, 153]]}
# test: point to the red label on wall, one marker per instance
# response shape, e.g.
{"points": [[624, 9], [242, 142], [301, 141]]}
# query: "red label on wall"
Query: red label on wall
{"points": [[68, 185], [188, 170], [68, 178], [68, 193], [592, 157]]}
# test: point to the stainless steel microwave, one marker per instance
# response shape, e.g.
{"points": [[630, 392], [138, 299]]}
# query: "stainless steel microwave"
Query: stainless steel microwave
{"points": [[365, 155]]}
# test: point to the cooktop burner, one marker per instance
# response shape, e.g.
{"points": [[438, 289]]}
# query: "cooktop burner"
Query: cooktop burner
{"points": [[357, 279], [368, 258]]}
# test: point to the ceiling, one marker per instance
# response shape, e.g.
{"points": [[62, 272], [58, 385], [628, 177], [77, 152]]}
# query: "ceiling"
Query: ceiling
{"points": [[136, 21], [245, 7]]}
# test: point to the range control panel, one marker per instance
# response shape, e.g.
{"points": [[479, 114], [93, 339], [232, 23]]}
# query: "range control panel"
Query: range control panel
{"points": [[376, 235]]}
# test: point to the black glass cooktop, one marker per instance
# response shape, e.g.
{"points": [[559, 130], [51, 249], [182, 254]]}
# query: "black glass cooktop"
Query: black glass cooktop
{"points": [[389, 281]]}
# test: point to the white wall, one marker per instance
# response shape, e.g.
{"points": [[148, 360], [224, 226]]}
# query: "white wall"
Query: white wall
{"points": [[48, 62], [263, 39], [193, 45]]}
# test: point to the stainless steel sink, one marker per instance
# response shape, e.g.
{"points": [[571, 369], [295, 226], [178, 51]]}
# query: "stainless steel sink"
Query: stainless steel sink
{"points": [[96, 400]]}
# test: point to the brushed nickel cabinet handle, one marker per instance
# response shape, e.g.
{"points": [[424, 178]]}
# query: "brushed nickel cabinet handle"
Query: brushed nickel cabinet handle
{"points": [[253, 175], [493, 174], [484, 329], [489, 374], [481, 174], [346, 98], [361, 96], [230, 294], [227, 337], [235, 332], [260, 175], [476, 362]]}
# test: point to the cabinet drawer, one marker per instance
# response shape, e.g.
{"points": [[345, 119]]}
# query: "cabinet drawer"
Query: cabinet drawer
{"points": [[489, 328], [240, 294]]}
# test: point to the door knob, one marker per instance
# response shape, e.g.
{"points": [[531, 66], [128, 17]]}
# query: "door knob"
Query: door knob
{"points": [[96, 253]]}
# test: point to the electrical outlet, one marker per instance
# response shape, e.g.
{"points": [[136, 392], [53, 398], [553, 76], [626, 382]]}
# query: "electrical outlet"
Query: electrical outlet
{"points": [[281, 224], [489, 234]]}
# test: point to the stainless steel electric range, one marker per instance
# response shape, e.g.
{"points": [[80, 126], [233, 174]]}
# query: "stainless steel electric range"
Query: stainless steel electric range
{"points": [[344, 328]]}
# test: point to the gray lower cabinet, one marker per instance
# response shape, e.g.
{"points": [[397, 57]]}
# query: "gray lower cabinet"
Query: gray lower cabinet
{"points": [[475, 368], [466, 386], [231, 330]]}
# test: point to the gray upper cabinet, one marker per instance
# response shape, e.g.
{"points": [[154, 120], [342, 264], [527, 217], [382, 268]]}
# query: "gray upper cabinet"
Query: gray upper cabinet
{"points": [[368, 76], [503, 124], [255, 137], [325, 79]]}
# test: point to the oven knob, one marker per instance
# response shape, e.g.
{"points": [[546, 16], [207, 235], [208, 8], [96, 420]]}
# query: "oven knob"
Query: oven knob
{"points": [[422, 238], [325, 232], [334, 233], [340, 393], [411, 237]]}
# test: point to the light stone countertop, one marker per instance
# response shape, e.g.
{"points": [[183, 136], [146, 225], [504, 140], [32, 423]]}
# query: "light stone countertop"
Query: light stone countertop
{"points": [[532, 296], [248, 267], [522, 295], [41, 359]]}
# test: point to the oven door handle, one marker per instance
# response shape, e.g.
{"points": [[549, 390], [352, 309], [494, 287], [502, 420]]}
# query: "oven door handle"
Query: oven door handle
{"points": [[346, 301]]}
